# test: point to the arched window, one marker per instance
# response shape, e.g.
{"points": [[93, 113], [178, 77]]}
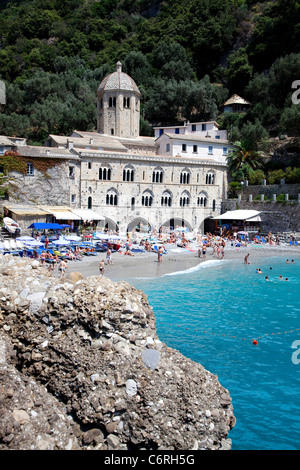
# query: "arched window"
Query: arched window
{"points": [[128, 173], [185, 176], [210, 178], [147, 198], [90, 202], [157, 175], [126, 102], [105, 173], [184, 199], [202, 200], [112, 102], [166, 199], [112, 197]]}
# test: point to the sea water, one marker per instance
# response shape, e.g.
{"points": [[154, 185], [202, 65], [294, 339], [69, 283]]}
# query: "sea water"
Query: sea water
{"points": [[212, 314]]}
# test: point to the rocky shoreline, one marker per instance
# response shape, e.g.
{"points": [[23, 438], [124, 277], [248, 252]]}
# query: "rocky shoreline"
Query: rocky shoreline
{"points": [[82, 368]]}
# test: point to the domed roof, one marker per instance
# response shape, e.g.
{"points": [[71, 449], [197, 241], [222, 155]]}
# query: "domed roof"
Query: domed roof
{"points": [[118, 80]]}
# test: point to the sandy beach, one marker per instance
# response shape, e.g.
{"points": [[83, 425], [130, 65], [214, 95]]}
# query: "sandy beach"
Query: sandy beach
{"points": [[176, 259]]}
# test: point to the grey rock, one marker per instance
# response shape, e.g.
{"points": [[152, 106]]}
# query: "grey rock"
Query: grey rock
{"points": [[111, 384], [131, 387], [151, 358]]}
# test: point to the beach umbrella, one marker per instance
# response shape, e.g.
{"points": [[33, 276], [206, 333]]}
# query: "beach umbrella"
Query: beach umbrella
{"points": [[25, 239], [72, 238], [181, 229], [33, 243], [101, 236], [61, 241]]}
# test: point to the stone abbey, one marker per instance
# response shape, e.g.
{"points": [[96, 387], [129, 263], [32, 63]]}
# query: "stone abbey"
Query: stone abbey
{"points": [[175, 178]]}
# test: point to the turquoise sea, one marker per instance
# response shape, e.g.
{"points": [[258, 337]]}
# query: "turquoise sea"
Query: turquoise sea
{"points": [[212, 313]]}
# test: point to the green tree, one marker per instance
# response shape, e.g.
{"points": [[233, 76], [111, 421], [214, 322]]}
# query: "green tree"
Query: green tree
{"points": [[238, 72], [290, 120], [256, 177], [275, 176], [253, 134], [242, 159]]}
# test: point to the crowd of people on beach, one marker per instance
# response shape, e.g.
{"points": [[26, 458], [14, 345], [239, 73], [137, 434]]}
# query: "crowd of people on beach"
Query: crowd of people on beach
{"points": [[157, 241]]}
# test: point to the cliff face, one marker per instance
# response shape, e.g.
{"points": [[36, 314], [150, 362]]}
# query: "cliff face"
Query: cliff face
{"points": [[82, 367]]}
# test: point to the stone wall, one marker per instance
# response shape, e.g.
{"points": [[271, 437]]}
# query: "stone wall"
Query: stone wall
{"points": [[82, 367], [268, 190], [53, 188]]}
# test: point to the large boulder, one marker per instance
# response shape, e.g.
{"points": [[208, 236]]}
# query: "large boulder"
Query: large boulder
{"points": [[90, 349]]}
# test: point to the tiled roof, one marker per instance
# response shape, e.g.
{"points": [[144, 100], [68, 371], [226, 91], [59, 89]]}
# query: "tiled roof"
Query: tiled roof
{"points": [[46, 152], [194, 138], [119, 80], [235, 99]]}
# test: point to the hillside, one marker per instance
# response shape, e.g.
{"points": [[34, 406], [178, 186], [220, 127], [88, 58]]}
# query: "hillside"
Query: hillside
{"points": [[186, 57]]}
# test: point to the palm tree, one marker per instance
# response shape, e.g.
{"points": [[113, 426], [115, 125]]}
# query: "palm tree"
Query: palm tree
{"points": [[242, 159]]}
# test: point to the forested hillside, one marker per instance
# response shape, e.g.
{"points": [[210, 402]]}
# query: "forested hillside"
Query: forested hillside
{"points": [[187, 58]]}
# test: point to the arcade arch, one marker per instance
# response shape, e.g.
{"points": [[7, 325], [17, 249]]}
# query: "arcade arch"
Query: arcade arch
{"points": [[177, 222], [139, 224]]}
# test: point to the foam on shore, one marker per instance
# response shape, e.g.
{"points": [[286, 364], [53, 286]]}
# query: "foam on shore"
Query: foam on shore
{"points": [[204, 264]]}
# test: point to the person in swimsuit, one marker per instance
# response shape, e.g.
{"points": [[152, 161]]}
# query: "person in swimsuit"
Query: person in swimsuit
{"points": [[160, 253], [101, 267]]}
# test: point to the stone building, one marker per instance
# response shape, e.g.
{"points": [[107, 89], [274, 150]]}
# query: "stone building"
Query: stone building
{"points": [[176, 178]]}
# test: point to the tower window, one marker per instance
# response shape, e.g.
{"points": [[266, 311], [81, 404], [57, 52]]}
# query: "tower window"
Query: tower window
{"points": [[126, 102]]}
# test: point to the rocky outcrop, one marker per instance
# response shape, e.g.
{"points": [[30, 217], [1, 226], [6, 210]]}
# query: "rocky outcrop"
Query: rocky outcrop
{"points": [[82, 367]]}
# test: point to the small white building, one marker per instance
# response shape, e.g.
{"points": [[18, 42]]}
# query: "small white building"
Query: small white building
{"points": [[201, 140]]}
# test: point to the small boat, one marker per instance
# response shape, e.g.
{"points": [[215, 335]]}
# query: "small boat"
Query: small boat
{"points": [[11, 226]]}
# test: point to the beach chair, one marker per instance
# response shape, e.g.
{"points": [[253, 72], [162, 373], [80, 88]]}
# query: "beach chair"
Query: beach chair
{"points": [[9, 248], [19, 245], [263, 240], [58, 253]]}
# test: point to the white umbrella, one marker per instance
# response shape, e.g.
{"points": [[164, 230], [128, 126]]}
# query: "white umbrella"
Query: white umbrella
{"points": [[73, 238], [61, 241], [181, 229], [25, 239], [33, 243]]}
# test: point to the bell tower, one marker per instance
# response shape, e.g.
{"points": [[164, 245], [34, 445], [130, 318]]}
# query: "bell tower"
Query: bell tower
{"points": [[118, 105]]}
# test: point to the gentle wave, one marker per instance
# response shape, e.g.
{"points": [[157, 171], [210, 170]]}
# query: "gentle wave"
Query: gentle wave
{"points": [[204, 264]]}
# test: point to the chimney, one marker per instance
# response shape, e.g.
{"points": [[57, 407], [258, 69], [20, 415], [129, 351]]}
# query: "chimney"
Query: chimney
{"points": [[69, 144]]}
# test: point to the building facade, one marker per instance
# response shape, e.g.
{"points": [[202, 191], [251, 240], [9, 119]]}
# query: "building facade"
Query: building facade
{"points": [[176, 178]]}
